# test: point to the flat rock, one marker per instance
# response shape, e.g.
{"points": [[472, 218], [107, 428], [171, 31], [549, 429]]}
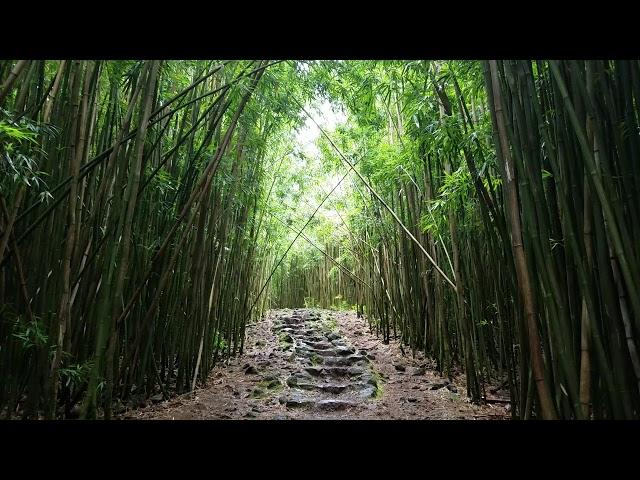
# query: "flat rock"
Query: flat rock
{"points": [[315, 371], [347, 351], [318, 345], [331, 404], [344, 361], [298, 377], [353, 371], [297, 402], [334, 388]]}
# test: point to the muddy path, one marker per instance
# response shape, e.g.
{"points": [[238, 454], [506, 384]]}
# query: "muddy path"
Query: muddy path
{"points": [[321, 364]]}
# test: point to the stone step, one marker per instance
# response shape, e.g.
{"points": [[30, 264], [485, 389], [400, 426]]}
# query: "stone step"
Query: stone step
{"points": [[334, 389], [345, 350], [304, 343], [337, 376], [317, 371], [333, 404], [312, 351], [320, 345], [343, 361], [295, 401], [360, 389]]}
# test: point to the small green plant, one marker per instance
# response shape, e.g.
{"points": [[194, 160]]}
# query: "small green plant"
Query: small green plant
{"points": [[310, 302], [18, 134], [31, 334], [340, 305], [219, 342], [76, 374], [17, 163]]}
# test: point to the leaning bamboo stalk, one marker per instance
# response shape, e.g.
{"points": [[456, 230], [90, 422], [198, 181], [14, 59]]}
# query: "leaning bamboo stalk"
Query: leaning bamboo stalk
{"points": [[51, 97], [379, 198]]}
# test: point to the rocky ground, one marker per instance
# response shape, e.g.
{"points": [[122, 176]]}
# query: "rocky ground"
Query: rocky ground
{"points": [[320, 364]]}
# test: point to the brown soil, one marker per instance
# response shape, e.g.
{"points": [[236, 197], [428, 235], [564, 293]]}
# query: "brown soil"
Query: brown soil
{"points": [[382, 383]]}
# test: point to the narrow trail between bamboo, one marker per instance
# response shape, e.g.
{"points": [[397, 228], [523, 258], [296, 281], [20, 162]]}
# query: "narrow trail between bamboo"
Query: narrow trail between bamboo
{"points": [[320, 364]]}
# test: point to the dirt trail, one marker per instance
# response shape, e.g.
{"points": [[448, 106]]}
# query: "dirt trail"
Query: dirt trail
{"points": [[321, 364]]}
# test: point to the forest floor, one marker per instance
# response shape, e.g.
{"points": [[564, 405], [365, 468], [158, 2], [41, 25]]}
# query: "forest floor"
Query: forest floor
{"points": [[321, 364]]}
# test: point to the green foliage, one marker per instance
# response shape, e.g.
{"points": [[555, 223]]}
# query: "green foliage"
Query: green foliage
{"points": [[218, 342], [19, 149], [310, 302], [339, 303], [9, 133], [77, 374], [32, 335]]}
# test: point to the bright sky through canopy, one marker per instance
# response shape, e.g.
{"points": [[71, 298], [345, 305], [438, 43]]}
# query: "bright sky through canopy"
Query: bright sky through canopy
{"points": [[326, 117], [306, 137]]}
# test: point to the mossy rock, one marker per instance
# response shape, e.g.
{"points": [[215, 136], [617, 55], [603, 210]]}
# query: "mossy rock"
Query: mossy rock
{"points": [[316, 359], [258, 393], [270, 384], [285, 338], [376, 381]]}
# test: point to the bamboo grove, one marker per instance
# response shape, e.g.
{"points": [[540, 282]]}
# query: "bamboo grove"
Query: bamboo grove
{"points": [[484, 212], [130, 223], [492, 224]]}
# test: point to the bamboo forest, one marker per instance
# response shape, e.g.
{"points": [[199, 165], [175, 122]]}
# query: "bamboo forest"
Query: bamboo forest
{"points": [[348, 239]]}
